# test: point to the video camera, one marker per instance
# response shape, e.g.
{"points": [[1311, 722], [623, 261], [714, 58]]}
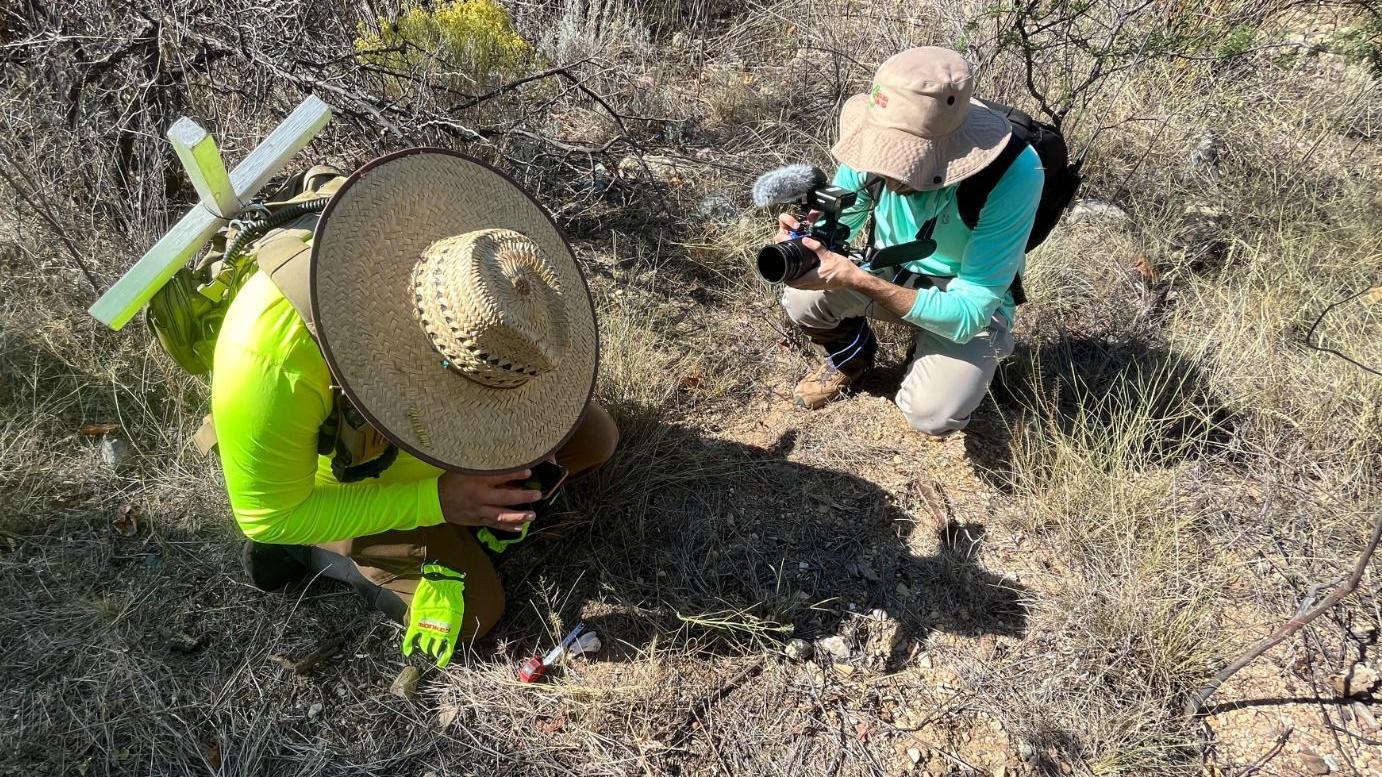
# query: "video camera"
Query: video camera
{"points": [[808, 187]]}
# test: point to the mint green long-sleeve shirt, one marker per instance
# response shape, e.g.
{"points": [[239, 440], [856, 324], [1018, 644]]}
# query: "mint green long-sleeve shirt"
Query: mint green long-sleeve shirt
{"points": [[982, 262], [270, 393]]}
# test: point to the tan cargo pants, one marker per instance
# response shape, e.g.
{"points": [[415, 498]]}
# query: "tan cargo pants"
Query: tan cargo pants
{"points": [[945, 380], [386, 568]]}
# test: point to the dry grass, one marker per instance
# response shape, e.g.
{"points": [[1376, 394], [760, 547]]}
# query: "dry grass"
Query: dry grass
{"points": [[1163, 470]]}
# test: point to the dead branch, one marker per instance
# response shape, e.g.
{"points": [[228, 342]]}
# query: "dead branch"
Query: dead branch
{"points": [[1195, 703], [679, 733], [34, 201], [1280, 745]]}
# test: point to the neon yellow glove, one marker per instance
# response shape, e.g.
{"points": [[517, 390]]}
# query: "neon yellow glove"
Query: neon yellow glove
{"points": [[497, 544], [434, 618]]}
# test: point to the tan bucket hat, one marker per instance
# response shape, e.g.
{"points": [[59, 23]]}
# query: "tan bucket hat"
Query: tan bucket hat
{"points": [[919, 123], [452, 312]]}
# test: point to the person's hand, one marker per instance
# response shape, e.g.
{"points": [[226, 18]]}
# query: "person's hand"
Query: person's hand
{"points": [[486, 500], [787, 223], [834, 271]]}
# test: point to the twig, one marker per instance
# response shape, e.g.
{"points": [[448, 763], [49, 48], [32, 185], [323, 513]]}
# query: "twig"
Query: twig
{"points": [[1195, 703], [42, 210], [328, 648], [1310, 335], [1280, 745], [683, 729]]}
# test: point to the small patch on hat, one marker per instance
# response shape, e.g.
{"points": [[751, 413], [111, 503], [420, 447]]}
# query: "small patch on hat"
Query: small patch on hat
{"points": [[419, 428], [879, 99]]}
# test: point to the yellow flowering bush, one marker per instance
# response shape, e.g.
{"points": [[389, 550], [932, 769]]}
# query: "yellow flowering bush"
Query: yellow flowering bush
{"points": [[472, 39]]}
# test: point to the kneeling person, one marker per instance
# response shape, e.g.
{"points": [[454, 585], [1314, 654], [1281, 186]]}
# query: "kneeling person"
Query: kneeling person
{"points": [[400, 391], [907, 147]]}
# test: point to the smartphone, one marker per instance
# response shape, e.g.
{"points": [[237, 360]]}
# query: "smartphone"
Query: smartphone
{"points": [[547, 477]]}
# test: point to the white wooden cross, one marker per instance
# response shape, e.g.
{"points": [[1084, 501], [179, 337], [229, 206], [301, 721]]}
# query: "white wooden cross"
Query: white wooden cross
{"points": [[222, 196]]}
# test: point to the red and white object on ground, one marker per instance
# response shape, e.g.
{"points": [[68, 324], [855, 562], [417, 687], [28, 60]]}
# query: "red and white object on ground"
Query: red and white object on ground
{"points": [[578, 642]]}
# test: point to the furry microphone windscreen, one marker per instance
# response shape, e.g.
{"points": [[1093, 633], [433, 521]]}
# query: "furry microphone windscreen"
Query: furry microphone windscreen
{"points": [[786, 184]]}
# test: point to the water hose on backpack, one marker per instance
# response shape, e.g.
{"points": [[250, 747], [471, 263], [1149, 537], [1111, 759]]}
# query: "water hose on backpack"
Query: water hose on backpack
{"points": [[253, 230]]}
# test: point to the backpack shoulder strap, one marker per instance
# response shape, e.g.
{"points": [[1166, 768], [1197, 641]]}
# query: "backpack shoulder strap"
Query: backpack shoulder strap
{"points": [[286, 258], [285, 253], [974, 191], [873, 187]]}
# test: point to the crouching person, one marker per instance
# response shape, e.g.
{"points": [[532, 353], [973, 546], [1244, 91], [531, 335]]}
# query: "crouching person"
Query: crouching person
{"points": [[398, 392], [916, 149]]}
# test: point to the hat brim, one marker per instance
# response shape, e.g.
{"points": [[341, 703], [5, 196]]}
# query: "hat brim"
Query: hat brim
{"points": [[366, 243], [922, 163]]}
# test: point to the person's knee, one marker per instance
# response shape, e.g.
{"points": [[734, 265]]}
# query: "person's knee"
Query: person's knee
{"points": [[592, 445], [607, 442], [484, 603], [806, 308], [930, 414]]}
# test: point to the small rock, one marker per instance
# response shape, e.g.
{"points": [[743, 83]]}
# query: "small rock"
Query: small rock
{"points": [[1001, 771], [341, 691], [803, 565], [878, 614], [914, 754], [1365, 633], [661, 168], [1204, 159], [1357, 681], [182, 642], [405, 685], [1097, 211], [716, 207], [1366, 720], [314, 710], [1065, 768], [1313, 763], [799, 650], [115, 452], [1203, 236], [845, 670], [446, 716], [835, 646], [1025, 751], [600, 181], [925, 661]]}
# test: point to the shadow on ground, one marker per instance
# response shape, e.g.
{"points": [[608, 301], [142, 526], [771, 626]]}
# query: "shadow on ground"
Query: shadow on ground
{"points": [[1086, 387], [737, 548]]}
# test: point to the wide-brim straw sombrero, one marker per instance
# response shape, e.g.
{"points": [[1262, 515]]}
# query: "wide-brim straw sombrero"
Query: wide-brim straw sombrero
{"points": [[919, 123], [452, 313]]}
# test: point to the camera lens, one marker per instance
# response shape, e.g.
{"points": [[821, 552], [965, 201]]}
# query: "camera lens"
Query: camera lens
{"points": [[787, 261]]}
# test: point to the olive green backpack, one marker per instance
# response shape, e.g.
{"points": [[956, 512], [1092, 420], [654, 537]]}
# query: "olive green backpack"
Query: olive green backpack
{"points": [[269, 236]]}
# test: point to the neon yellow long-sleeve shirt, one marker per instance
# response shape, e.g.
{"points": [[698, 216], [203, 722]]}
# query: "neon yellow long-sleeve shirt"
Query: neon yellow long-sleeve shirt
{"points": [[270, 393]]}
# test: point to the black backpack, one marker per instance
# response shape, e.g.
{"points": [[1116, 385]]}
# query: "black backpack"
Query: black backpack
{"points": [[1062, 178], [1061, 182]]}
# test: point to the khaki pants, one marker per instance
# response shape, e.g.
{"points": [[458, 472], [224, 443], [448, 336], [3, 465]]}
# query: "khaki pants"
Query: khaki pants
{"points": [[385, 568], [945, 381]]}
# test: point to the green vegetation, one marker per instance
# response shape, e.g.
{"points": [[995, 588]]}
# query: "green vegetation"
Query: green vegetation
{"points": [[472, 41]]}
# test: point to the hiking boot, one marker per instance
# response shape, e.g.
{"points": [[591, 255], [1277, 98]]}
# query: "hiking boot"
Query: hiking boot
{"points": [[824, 385], [850, 349], [271, 567]]}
